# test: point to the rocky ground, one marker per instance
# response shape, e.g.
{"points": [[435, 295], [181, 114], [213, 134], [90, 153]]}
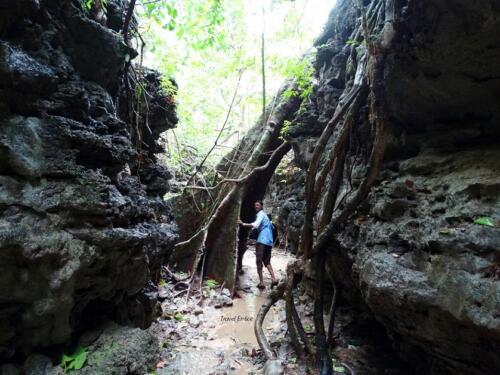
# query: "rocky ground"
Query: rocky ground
{"points": [[216, 336]]}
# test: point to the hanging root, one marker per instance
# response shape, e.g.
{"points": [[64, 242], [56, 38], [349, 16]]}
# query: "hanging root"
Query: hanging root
{"points": [[295, 328], [292, 328], [368, 89], [333, 308], [311, 196], [323, 360], [271, 299]]}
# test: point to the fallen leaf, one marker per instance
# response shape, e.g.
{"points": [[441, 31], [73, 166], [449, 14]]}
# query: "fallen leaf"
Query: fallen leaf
{"points": [[485, 220]]}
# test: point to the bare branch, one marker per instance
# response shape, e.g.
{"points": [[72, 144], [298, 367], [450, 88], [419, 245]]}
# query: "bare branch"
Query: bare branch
{"points": [[198, 168]]}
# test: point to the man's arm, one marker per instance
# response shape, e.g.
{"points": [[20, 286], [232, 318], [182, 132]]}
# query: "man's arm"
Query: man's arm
{"points": [[245, 224], [255, 224]]}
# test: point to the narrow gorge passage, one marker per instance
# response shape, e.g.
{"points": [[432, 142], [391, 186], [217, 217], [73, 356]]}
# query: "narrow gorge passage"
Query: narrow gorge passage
{"points": [[145, 145]]}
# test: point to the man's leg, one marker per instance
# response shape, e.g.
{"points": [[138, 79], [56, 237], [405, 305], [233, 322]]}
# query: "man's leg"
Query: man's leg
{"points": [[259, 254], [271, 271], [242, 247], [267, 262]]}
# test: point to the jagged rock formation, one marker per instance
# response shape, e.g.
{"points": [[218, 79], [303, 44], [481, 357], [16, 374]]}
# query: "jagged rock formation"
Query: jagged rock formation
{"points": [[285, 202], [411, 254], [83, 224]]}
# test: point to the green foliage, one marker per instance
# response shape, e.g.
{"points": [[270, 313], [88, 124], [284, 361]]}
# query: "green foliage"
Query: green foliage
{"points": [[302, 74], [179, 317], [197, 21], [485, 220], [169, 87], [210, 284], [87, 5], [204, 45], [337, 366], [74, 361], [284, 129], [162, 12], [352, 42], [139, 91]]}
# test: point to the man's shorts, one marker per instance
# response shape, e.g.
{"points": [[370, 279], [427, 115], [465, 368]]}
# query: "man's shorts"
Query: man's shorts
{"points": [[263, 254]]}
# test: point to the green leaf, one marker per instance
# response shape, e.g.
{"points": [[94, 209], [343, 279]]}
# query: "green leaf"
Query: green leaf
{"points": [[338, 369], [352, 42], [211, 284], [74, 361], [65, 360], [179, 317], [485, 220], [80, 360]]}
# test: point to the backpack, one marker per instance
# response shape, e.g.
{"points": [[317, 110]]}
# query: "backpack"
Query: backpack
{"points": [[275, 234], [254, 234]]}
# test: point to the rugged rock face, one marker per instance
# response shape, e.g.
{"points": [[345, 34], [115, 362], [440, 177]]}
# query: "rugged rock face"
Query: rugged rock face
{"points": [[285, 202], [412, 254], [83, 223], [120, 351], [110, 350]]}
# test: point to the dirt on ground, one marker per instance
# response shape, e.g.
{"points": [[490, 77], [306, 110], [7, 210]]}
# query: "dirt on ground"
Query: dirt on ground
{"points": [[214, 335]]}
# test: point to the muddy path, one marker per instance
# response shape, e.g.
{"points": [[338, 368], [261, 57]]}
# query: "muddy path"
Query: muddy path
{"points": [[218, 336]]}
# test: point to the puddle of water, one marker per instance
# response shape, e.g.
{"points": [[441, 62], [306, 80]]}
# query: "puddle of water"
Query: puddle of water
{"points": [[238, 320]]}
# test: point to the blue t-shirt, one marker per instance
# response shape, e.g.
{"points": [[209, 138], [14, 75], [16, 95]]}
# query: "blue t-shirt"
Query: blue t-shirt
{"points": [[263, 224]]}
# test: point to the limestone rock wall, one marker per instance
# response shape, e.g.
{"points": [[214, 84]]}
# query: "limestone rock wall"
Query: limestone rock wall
{"points": [[412, 254], [83, 224]]}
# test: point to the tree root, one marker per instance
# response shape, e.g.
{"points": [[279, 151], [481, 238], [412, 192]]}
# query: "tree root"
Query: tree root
{"points": [[333, 308], [295, 271], [307, 232], [370, 73], [271, 299], [292, 328]]}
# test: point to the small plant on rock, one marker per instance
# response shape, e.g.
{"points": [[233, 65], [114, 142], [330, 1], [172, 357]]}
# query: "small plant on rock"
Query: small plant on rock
{"points": [[485, 220], [179, 317], [74, 361], [211, 284]]}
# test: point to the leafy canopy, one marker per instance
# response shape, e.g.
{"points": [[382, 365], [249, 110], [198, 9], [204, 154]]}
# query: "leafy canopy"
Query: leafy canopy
{"points": [[206, 44]]}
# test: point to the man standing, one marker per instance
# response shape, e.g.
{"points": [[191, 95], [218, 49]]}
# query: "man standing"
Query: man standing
{"points": [[264, 243]]}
